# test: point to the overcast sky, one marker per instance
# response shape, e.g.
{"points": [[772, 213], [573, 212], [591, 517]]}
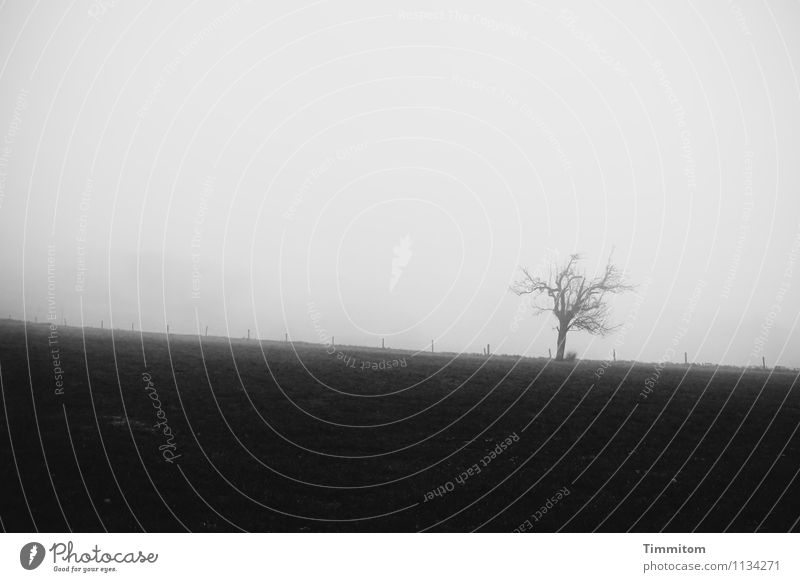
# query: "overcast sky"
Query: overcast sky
{"points": [[369, 170]]}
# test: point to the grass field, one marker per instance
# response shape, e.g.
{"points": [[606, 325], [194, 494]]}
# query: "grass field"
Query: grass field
{"points": [[271, 436]]}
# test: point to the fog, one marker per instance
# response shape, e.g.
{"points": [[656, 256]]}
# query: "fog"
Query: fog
{"points": [[381, 171]]}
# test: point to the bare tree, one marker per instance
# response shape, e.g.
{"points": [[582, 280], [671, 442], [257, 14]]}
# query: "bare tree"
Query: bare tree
{"points": [[577, 302]]}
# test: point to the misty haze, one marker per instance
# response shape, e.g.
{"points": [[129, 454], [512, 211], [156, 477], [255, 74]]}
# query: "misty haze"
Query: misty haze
{"points": [[449, 266]]}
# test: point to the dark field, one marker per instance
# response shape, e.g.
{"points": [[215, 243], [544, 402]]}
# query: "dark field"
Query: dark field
{"points": [[271, 436]]}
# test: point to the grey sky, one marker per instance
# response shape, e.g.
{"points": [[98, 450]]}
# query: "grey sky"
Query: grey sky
{"points": [[390, 166]]}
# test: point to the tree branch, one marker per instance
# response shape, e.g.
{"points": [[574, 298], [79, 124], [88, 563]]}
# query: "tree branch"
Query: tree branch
{"points": [[577, 302]]}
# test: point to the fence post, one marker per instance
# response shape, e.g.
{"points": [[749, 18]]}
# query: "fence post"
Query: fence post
{"points": [[431, 346], [615, 355], [763, 363], [550, 353]]}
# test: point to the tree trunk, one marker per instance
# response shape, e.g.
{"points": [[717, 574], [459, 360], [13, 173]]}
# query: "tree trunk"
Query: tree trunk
{"points": [[562, 342]]}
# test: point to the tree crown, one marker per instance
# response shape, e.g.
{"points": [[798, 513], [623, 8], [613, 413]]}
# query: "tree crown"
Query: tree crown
{"points": [[578, 302]]}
